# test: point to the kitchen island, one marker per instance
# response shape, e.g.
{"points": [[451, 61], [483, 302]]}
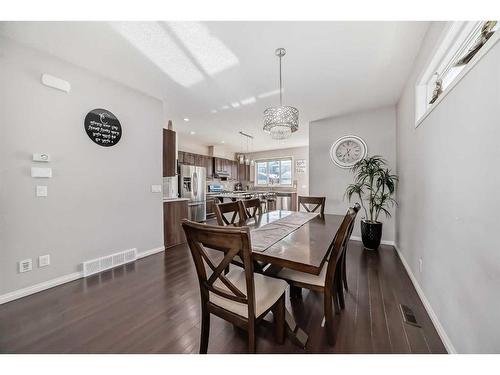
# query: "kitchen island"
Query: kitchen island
{"points": [[285, 200]]}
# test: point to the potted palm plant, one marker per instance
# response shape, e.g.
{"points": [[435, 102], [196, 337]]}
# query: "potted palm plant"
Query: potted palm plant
{"points": [[374, 185]]}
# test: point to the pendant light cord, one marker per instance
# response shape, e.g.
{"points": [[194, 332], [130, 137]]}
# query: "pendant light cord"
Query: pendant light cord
{"points": [[281, 89]]}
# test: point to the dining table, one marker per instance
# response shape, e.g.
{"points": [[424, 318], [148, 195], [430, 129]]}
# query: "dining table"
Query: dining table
{"points": [[305, 249]]}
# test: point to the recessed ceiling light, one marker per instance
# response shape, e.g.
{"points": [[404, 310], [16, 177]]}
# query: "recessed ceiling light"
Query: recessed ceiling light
{"points": [[235, 104], [213, 111], [222, 142], [192, 132], [186, 119]]}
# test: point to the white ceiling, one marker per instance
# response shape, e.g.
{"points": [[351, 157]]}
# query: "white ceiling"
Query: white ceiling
{"points": [[222, 75]]}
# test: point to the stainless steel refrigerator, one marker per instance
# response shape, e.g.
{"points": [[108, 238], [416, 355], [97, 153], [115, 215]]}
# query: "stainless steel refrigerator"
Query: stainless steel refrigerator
{"points": [[192, 181]]}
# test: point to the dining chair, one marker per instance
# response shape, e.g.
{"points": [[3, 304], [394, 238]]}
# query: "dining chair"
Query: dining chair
{"points": [[241, 297], [252, 207], [307, 202], [328, 281], [343, 265], [231, 213]]}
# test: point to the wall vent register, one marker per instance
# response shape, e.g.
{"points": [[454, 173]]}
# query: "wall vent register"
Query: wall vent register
{"points": [[109, 261]]}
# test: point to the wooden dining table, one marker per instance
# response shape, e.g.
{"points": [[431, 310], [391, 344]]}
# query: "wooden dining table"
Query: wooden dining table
{"points": [[305, 249]]}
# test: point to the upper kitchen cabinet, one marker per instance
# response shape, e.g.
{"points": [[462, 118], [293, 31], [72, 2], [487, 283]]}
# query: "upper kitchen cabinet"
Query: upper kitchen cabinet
{"points": [[209, 165], [169, 156]]}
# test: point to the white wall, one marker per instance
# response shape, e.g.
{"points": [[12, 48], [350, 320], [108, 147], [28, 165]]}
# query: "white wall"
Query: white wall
{"points": [[99, 199], [296, 153], [377, 128], [449, 199]]}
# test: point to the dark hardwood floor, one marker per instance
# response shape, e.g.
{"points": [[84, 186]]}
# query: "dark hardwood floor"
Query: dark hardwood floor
{"points": [[153, 306]]}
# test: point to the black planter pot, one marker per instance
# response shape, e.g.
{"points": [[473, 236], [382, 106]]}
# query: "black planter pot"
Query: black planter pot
{"points": [[371, 234]]}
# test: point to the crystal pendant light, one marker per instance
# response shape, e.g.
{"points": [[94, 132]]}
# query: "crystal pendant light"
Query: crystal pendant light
{"points": [[281, 121]]}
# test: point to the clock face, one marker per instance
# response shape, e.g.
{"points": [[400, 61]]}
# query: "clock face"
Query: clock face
{"points": [[347, 151]]}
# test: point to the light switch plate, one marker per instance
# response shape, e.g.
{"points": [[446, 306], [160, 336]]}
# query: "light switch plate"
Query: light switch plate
{"points": [[41, 157], [41, 191], [156, 188], [43, 260], [41, 172]]}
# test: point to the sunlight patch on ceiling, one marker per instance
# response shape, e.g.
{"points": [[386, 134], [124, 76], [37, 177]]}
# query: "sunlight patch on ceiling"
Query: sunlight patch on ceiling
{"points": [[208, 50], [269, 93], [247, 101], [153, 41]]}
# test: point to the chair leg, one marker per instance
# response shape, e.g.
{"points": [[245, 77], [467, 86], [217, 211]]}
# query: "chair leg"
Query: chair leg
{"points": [[295, 291], [330, 334], [344, 270], [340, 291], [205, 330], [279, 320], [251, 337]]}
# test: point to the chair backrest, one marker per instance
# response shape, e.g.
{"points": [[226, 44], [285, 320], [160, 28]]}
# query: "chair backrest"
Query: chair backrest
{"points": [[231, 213], [252, 207], [307, 202], [231, 241], [339, 243]]}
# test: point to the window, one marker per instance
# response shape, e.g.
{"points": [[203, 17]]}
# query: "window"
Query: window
{"points": [[459, 43], [274, 172]]}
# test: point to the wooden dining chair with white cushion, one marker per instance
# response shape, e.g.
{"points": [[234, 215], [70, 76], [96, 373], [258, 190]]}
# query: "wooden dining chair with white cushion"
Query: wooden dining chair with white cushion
{"points": [[308, 202], [230, 213], [328, 281], [241, 297]]}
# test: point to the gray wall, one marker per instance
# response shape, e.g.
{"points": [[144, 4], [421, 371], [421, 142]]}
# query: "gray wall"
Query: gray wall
{"points": [[449, 198], [100, 199], [377, 128]]}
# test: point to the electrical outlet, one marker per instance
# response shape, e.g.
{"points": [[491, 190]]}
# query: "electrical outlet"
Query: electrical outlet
{"points": [[43, 260], [25, 265], [420, 265]]}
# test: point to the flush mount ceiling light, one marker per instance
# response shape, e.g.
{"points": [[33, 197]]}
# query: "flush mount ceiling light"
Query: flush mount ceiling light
{"points": [[281, 121], [186, 119]]}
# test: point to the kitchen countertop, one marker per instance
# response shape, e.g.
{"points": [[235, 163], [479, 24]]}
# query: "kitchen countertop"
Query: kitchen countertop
{"points": [[174, 199], [249, 192]]}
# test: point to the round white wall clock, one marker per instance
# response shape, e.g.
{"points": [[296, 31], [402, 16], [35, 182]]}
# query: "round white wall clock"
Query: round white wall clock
{"points": [[348, 150]]}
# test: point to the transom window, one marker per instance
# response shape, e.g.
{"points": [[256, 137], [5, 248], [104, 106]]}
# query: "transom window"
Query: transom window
{"points": [[459, 50], [273, 172]]}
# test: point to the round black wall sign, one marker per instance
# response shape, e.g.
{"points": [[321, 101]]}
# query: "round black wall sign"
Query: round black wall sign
{"points": [[103, 127]]}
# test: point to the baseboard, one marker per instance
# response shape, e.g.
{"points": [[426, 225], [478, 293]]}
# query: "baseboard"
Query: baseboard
{"points": [[147, 253], [11, 296], [383, 242], [16, 294], [439, 328]]}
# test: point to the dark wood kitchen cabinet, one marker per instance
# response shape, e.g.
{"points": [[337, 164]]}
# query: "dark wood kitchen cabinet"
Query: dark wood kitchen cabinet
{"points": [[209, 165], [234, 170], [173, 213], [169, 156]]}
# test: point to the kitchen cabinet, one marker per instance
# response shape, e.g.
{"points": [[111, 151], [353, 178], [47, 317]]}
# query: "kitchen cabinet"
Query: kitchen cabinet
{"points": [[244, 172], [169, 156], [173, 212], [209, 165], [199, 160], [234, 170], [211, 202]]}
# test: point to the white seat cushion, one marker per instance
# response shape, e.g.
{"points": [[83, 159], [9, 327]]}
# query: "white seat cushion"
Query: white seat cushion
{"points": [[267, 292], [303, 277]]}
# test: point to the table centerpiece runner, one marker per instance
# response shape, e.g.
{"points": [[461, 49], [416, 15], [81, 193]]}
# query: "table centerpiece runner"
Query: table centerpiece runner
{"points": [[264, 237]]}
